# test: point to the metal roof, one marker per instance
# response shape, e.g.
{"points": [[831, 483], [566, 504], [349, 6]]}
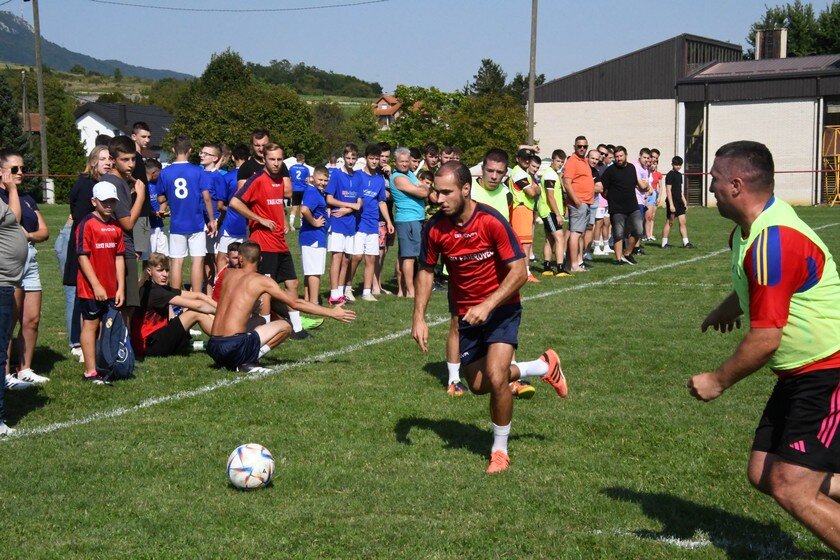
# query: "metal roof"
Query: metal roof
{"points": [[124, 115], [766, 68]]}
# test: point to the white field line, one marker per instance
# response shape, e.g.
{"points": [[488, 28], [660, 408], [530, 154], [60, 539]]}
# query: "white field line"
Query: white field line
{"points": [[229, 382]]}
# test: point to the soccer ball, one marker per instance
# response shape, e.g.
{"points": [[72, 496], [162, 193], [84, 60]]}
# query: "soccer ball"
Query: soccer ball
{"points": [[250, 466]]}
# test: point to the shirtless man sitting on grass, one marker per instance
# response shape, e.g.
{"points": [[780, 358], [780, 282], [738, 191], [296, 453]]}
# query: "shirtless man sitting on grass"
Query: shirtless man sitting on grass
{"points": [[232, 345]]}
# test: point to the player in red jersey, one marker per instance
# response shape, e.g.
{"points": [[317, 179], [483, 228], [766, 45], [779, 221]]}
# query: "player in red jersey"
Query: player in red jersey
{"points": [[486, 269]]}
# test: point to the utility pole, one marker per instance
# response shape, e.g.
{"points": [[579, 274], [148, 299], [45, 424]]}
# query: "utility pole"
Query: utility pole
{"points": [[532, 71], [27, 124], [39, 74]]}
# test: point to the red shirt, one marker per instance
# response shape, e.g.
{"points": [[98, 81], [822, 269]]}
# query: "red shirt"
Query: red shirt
{"points": [[476, 254], [102, 242], [264, 197], [217, 286]]}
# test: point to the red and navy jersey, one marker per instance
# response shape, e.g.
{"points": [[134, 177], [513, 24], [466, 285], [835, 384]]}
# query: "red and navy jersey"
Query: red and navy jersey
{"points": [[101, 242], [781, 262], [263, 195], [476, 254]]}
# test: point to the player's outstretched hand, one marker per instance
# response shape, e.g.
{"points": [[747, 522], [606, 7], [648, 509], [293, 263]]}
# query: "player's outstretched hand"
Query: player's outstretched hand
{"points": [[717, 321], [340, 313], [705, 386], [420, 333]]}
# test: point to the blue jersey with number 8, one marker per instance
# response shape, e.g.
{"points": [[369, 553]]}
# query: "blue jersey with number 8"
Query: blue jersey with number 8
{"points": [[181, 183]]}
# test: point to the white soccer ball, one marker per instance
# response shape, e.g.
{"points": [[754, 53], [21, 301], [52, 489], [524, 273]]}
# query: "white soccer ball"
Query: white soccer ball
{"points": [[250, 466]]}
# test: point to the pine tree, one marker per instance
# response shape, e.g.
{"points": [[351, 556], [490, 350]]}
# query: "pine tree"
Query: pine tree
{"points": [[12, 135]]}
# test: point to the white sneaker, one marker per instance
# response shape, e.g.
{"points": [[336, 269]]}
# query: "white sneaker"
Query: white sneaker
{"points": [[369, 297], [348, 294], [5, 430], [77, 351], [195, 332], [15, 384], [252, 368], [608, 250], [29, 375], [598, 252]]}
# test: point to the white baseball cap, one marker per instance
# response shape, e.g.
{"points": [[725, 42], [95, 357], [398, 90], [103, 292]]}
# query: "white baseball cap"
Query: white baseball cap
{"points": [[103, 190]]}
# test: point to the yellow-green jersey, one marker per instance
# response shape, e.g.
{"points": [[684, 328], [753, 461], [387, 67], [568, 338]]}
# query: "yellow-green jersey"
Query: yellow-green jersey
{"points": [[551, 185], [496, 198]]}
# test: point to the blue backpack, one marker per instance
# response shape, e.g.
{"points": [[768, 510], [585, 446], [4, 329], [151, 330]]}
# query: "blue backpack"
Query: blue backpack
{"points": [[114, 354]]}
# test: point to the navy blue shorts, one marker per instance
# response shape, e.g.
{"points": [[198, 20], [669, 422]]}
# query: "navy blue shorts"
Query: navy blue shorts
{"points": [[501, 326], [234, 351], [93, 309]]}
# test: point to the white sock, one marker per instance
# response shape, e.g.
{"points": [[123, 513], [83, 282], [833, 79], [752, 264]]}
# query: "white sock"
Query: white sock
{"points": [[664, 241], [264, 349], [454, 372], [366, 292], [528, 266], [266, 318], [534, 368], [335, 293], [294, 317], [685, 240], [500, 438], [341, 290]]}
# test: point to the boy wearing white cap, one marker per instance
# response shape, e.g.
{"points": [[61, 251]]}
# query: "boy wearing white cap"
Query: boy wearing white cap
{"points": [[101, 277]]}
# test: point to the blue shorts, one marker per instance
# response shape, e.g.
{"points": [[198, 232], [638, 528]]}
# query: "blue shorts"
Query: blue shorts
{"points": [[501, 326], [93, 309], [408, 234], [234, 351]]}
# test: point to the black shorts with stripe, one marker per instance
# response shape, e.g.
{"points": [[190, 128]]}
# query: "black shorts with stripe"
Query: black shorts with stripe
{"points": [[801, 422]]}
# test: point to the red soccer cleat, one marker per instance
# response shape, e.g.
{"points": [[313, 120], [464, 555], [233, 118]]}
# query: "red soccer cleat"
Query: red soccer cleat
{"points": [[555, 376]]}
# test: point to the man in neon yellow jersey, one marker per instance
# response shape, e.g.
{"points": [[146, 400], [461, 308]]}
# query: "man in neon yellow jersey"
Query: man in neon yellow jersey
{"points": [[787, 287], [550, 210]]}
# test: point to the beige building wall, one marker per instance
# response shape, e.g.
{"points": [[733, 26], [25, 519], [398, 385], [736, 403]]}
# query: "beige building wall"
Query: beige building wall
{"points": [[647, 123], [788, 128]]}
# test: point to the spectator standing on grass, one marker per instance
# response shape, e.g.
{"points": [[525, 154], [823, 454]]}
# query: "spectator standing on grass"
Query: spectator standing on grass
{"points": [[621, 182], [786, 286], [314, 223], [142, 137], [158, 240], [209, 158], [386, 238], [653, 194], [409, 197], [13, 254], [676, 204], [524, 192], [580, 189], [301, 177], [642, 166], [550, 206], [344, 203], [100, 244], [232, 228], [29, 296]]}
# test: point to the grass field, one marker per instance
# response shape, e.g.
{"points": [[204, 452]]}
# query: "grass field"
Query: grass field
{"points": [[375, 461]]}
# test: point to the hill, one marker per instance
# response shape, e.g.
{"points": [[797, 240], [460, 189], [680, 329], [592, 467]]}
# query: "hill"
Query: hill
{"points": [[17, 46], [309, 80]]}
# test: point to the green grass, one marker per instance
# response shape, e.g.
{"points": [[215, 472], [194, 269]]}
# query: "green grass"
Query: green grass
{"points": [[375, 461]]}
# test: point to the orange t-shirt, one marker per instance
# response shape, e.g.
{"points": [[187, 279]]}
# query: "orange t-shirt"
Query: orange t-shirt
{"points": [[579, 172]]}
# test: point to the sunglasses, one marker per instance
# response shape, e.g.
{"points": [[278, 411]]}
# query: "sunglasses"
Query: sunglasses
{"points": [[582, 146], [603, 153], [15, 169]]}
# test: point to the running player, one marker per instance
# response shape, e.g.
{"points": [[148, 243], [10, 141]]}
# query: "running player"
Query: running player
{"points": [[183, 190], [232, 344], [787, 288], [486, 269]]}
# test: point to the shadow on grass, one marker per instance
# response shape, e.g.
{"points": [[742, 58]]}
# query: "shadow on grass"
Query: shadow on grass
{"points": [[687, 524], [20, 403], [439, 371], [455, 435], [45, 359]]}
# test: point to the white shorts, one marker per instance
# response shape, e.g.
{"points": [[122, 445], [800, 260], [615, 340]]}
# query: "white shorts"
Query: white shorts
{"points": [[601, 212], [225, 241], [314, 260], [159, 242], [366, 244], [340, 243], [181, 244]]}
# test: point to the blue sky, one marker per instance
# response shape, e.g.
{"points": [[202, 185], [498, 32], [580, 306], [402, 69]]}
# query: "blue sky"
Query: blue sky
{"points": [[429, 43]]}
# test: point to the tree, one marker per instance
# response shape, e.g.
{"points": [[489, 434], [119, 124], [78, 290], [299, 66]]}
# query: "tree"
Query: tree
{"points": [[490, 79], [12, 135], [118, 75], [801, 23], [482, 122], [113, 97], [329, 120], [77, 69], [361, 126], [518, 86], [165, 93], [226, 103], [828, 29], [424, 116]]}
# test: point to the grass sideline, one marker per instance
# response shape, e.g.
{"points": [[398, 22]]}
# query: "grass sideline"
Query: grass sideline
{"points": [[375, 461]]}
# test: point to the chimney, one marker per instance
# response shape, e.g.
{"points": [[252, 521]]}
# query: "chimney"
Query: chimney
{"points": [[771, 43]]}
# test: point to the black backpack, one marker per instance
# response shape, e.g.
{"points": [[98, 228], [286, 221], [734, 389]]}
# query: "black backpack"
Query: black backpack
{"points": [[114, 354]]}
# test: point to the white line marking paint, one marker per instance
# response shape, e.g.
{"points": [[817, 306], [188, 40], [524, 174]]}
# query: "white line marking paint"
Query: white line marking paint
{"points": [[230, 382]]}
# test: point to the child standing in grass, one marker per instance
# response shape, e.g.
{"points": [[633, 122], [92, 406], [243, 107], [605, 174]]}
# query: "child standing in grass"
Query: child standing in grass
{"points": [[313, 232], [101, 277]]}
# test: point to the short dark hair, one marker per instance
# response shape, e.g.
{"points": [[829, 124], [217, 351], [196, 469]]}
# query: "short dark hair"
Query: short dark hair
{"points": [[495, 154], [426, 175], [373, 150], [213, 145], [430, 149], [580, 138], [102, 140], [300, 157], [599, 146], [753, 155], [415, 153], [322, 169], [152, 163], [259, 134], [234, 246], [644, 151], [350, 148], [558, 153], [140, 125], [249, 252], [240, 151], [121, 145], [536, 159], [447, 150], [459, 170], [610, 148], [676, 160], [182, 144], [7, 153], [620, 149], [384, 147], [655, 151]]}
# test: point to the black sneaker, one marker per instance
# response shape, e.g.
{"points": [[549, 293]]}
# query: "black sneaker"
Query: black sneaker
{"points": [[667, 246], [689, 246], [629, 259], [620, 262], [96, 379], [301, 335], [638, 251]]}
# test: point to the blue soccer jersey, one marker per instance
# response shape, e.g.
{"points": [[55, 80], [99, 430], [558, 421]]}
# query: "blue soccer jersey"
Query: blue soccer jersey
{"points": [[310, 235], [155, 221], [371, 189], [182, 184], [216, 185], [299, 174], [342, 188], [234, 224]]}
